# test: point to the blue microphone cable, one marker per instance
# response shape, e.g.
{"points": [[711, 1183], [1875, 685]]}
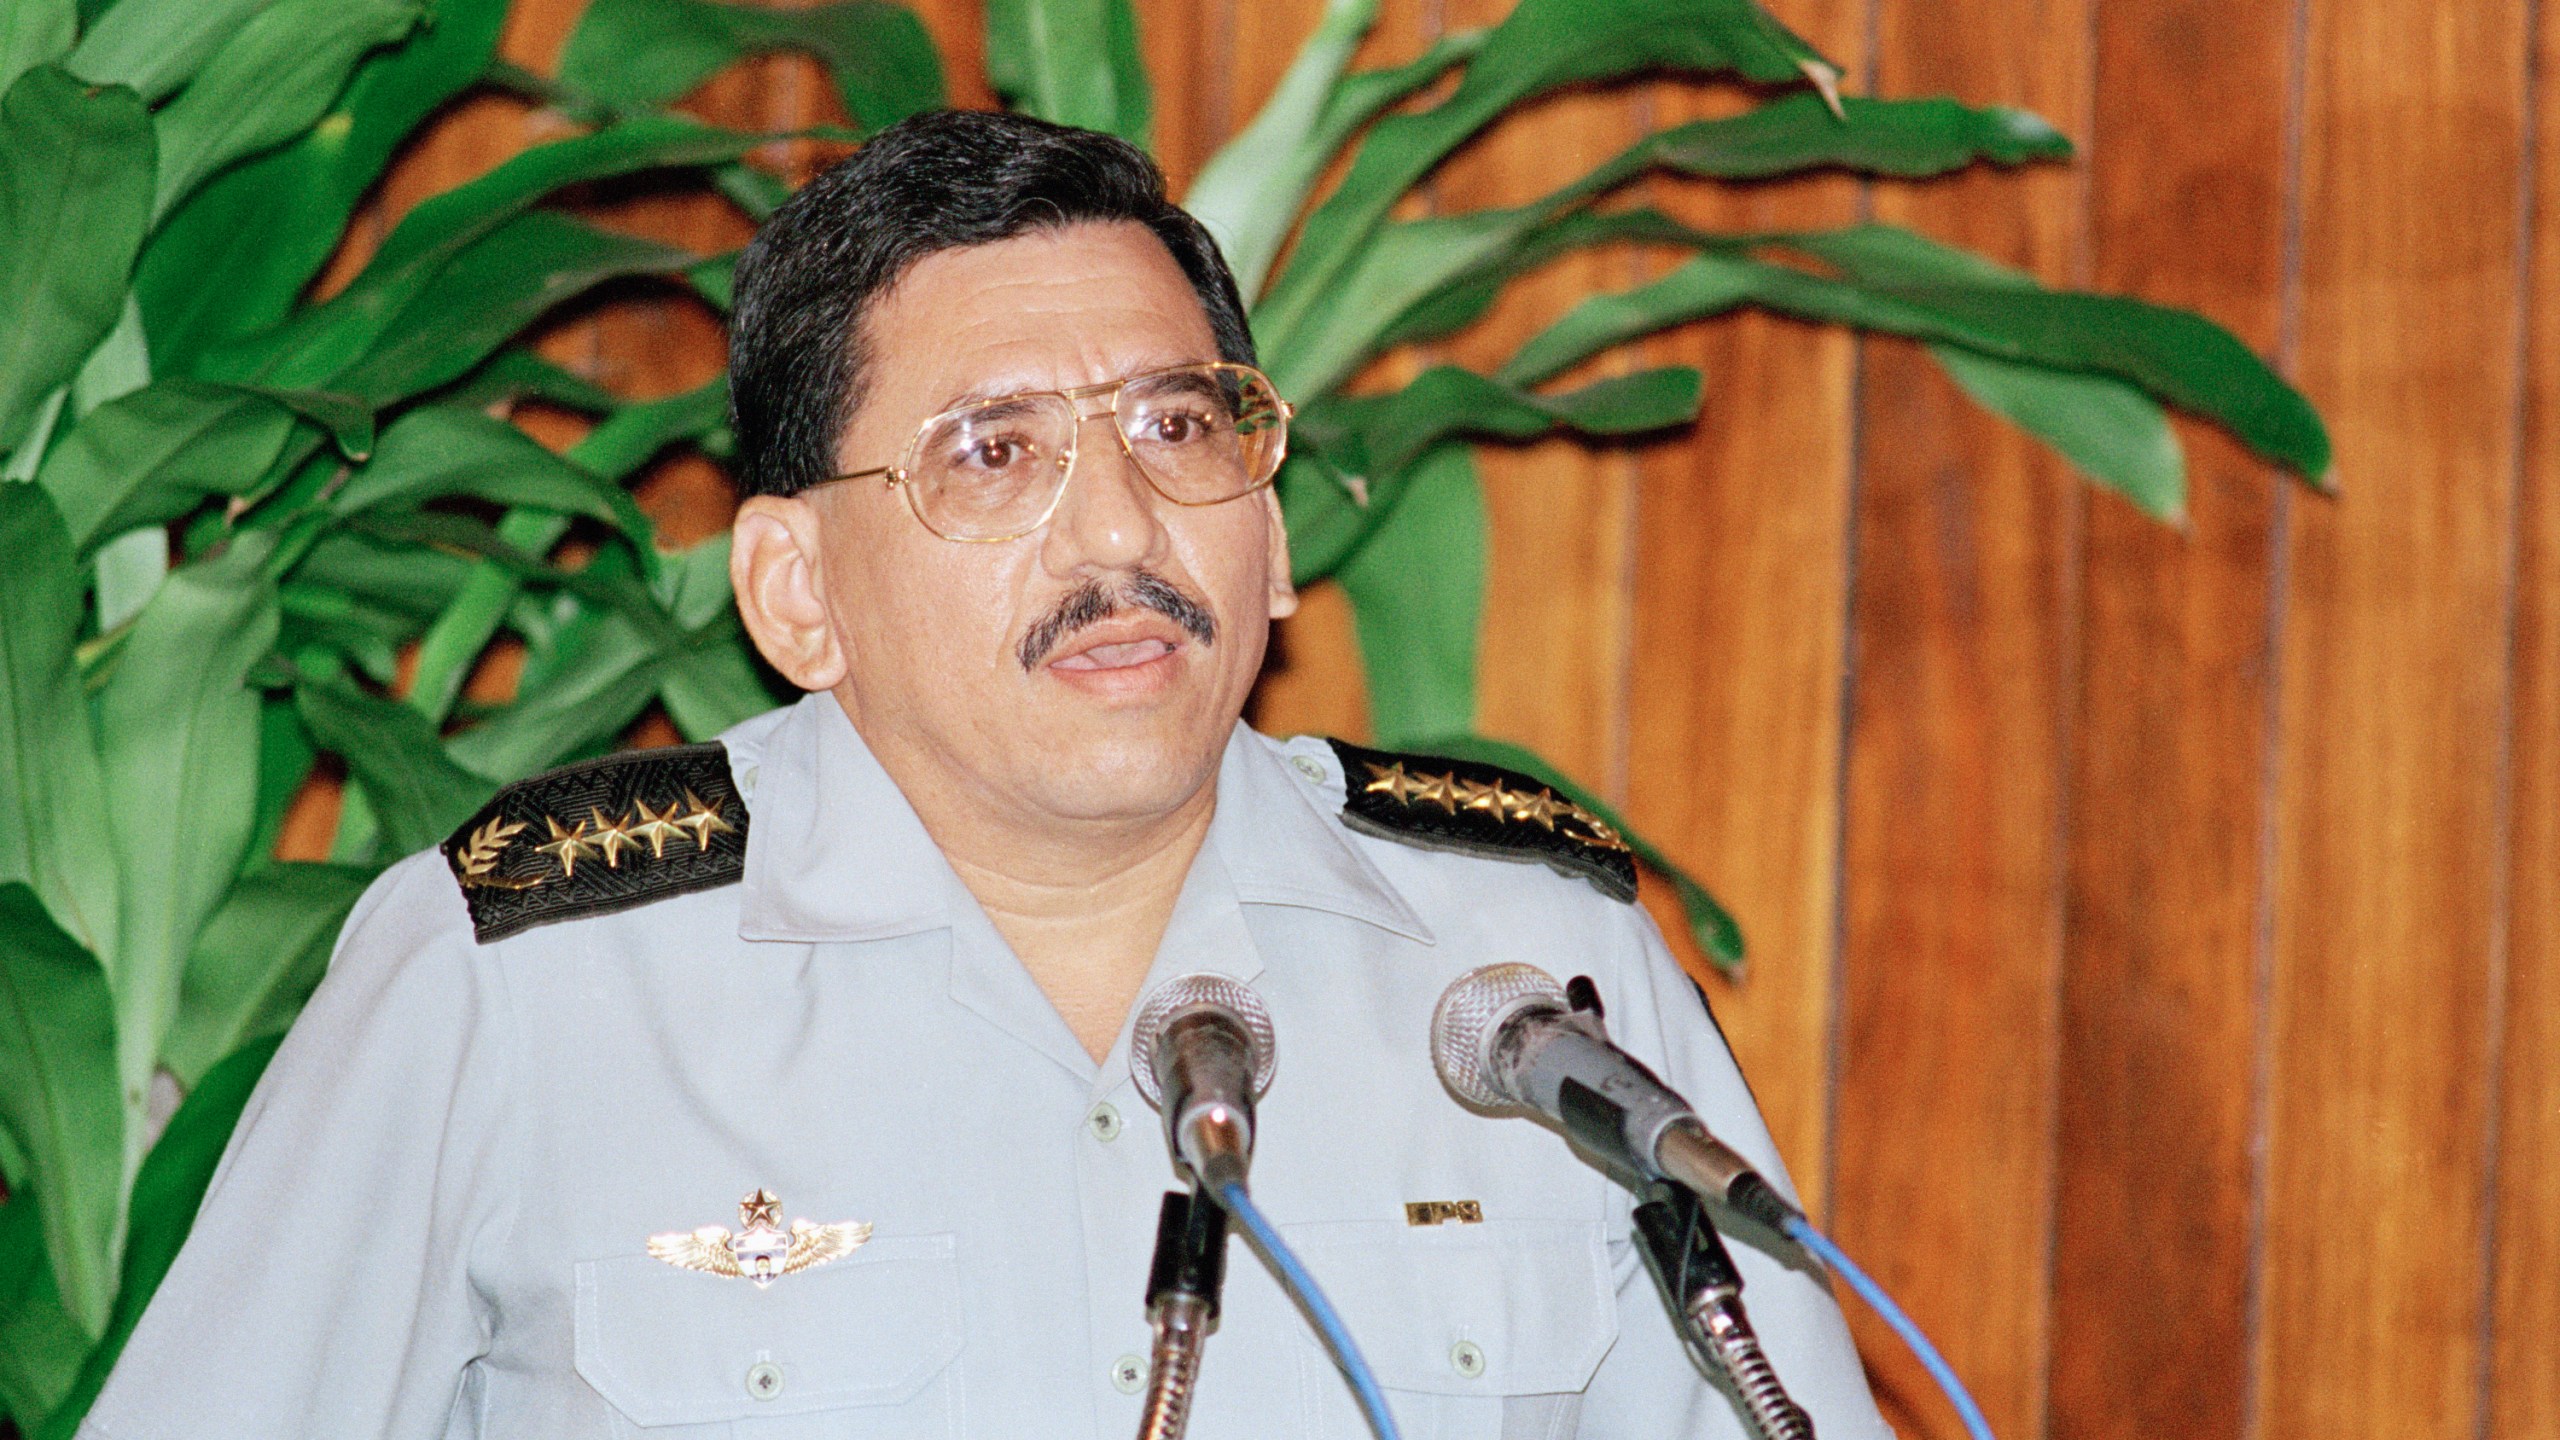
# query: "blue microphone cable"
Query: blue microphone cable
{"points": [[1802, 1232], [1302, 1286]]}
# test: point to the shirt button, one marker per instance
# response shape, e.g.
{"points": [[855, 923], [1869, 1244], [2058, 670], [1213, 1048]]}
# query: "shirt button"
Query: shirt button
{"points": [[764, 1380], [1306, 765], [1466, 1359], [1128, 1374], [1104, 1121]]}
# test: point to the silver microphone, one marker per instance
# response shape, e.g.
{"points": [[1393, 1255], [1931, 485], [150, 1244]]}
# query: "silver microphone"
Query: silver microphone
{"points": [[1202, 1054], [1505, 1037]]}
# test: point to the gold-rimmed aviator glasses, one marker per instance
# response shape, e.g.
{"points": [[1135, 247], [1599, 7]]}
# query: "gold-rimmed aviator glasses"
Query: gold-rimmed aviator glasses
{"points": [[995, 469]]}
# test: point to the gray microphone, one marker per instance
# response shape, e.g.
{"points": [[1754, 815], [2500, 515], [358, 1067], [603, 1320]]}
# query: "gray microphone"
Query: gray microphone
{"points": [[1201, 1053], [1507, 1037]]}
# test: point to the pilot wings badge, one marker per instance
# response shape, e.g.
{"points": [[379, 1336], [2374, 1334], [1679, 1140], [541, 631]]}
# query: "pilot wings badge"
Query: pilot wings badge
{"points": [[761, 1250]]}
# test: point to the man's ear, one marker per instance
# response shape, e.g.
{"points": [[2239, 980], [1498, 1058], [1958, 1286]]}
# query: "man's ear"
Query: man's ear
{"points": [[1284, 594], [777, 568]]}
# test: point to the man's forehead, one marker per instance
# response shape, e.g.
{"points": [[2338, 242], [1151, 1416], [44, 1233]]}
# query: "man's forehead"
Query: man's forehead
{"points": [[1051, 309]]}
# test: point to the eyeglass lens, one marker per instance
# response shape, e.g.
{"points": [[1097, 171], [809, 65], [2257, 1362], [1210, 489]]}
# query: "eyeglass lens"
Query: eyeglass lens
{"points": [[1200, 434]]}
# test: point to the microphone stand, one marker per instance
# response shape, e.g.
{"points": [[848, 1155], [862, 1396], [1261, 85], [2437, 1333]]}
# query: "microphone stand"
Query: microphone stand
{"points": [[1183, 1282], [1704, 1294]]}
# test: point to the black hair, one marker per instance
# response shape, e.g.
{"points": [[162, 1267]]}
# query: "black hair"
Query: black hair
{"points": [[936, 181]]}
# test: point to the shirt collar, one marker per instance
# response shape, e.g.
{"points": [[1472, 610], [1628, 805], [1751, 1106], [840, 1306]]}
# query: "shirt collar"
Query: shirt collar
{"points": [[836, 853]]}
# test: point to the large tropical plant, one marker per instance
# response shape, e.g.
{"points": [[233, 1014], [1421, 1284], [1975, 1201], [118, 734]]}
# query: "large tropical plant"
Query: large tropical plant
{"points": [[256, 531]]}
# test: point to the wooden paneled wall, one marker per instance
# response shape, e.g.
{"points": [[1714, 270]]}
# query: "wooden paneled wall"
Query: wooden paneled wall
{"points": [[2155, 931]]}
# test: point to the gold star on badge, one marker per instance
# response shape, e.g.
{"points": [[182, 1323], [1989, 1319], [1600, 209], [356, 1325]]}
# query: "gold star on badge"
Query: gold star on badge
{"points": [[1476, 795], [654, 826], [761, 1208], [611, 837], [703, 820], [567, 845]]}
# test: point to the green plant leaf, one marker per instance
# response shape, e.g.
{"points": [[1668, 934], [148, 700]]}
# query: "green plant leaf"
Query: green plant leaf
{"points": [[75, 199], [166, 1195], [516, 373], [155, 45], [58, 1097], [1072, 61], [327, 338], [1249, 193], [153, 455], [32, 33], [580, 689], [1893, 281], [1541, 46], [713, 683], [53, 831], [490, 293], [178, 742], [269, 82], [1709, 921], [437, 452], [2113, 432], [258, 959], [1793, 133], [613, 450], [415, 789], [639, 54], [218, 268], [1446, 401], [1417, 600], [41, 1347]]}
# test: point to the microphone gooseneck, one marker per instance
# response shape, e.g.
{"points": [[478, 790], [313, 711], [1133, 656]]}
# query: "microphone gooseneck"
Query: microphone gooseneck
{"points": [[1202, 1054]]}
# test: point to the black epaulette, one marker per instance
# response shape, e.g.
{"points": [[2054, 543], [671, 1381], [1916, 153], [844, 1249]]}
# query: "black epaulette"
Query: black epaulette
{"points": [[590, 839], [1484, 810]]}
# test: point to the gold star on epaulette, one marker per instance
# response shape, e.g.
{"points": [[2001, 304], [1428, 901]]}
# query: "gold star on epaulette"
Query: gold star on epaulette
{"points": [[1539, 807], [703, 820], [654, 826], [1476, 795], [1390, 781], [566, 846], [611, 837], [1438, 790]]}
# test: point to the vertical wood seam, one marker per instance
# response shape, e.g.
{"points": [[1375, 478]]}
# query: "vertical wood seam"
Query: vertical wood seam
{"points": [[1836, 1021], [2502, 819], [2288, 358]]}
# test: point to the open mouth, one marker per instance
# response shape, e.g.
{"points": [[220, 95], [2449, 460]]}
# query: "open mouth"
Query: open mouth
{"points": [[1123, 655]]}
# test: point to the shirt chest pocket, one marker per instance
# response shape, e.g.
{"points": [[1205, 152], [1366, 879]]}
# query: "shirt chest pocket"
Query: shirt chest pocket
{"points": [[864, 1346], [1477, 1331]]}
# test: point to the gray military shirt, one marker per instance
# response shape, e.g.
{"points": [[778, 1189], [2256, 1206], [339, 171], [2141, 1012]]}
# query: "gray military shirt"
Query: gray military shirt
{"points": [[433, 1219]]}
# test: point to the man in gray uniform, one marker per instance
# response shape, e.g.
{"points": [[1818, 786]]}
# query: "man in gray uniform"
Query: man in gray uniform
{"points": [[779, 1087]]}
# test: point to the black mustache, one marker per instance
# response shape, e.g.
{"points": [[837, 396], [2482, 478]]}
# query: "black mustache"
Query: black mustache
{"points": [[1094, 602]]}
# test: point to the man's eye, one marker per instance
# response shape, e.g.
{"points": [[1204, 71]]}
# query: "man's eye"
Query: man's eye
{"points": [[1176, 427], [995, 453]]}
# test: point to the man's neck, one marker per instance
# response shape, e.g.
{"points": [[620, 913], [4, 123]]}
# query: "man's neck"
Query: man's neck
{"points": [[1083, 903]]}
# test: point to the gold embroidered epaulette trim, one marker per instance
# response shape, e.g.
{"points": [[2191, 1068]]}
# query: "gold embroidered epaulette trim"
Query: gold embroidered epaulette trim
{"points": [[603, 836], [1481, 809]]}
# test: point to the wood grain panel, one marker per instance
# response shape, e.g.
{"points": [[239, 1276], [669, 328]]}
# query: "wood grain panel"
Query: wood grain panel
{"points": [[1555, 629], [2160, 1015], [2524, 1370], [1739, 614], [2394, 701], [1963, 620]]}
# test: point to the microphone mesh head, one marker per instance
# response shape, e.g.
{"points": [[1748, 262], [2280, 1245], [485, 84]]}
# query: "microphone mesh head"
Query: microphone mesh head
{"points": [[1189, 995], [1470, 1013]]}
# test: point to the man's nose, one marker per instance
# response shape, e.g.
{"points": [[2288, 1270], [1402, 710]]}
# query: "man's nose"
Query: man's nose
{"points": [[1107, 519]]}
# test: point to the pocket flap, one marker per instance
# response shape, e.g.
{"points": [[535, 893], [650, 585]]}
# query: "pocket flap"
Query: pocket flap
{"points": [[1531, 1298], [674, 1347]]}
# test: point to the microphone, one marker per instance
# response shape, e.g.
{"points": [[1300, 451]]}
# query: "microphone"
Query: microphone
{"points": [[1508, 1037], [1201, 1053]]}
